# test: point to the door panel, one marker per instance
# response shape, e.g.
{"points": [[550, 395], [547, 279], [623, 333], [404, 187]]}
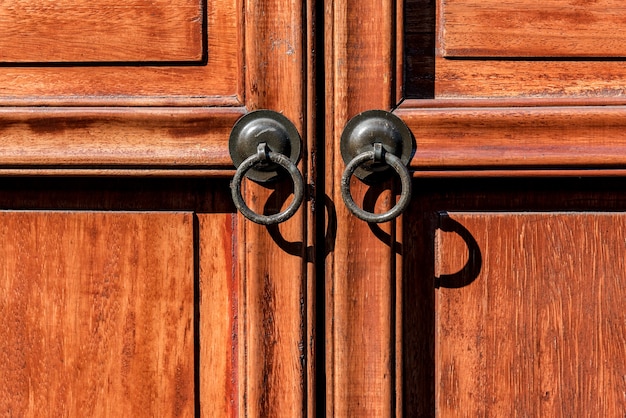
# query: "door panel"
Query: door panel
{"points": [[97, 314], [529, 316], [532, 74], [142, 53], [521, 262], [175, 141], [559, 28], [508, 140], [96, 31]]}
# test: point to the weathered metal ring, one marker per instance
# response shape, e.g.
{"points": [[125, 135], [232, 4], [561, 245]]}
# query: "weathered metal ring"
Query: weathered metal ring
{"points": [[298, 188], [397, 165]]}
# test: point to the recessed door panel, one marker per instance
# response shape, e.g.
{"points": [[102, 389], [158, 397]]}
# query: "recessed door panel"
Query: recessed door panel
{"points": [[97, 313], [67, 31], [529, 314], [518, 28], [108, 52]]}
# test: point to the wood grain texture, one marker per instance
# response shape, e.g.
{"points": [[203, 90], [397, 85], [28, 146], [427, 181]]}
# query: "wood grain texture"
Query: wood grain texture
{"points": [[360, 271], [174, 139], [217, 79], [418, 49], [534, 79], [480, 196], [482, 138], [174, 120], [429, 74], [274, 328], [218, 301], [97, 314], [101, 31], [540, 330], [518, 28]]}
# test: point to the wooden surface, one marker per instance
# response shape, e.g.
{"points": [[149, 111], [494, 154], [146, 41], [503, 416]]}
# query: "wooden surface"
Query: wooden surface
{"points": [[387, 354], [428, 74], [487, 233], [538, 330], [274, 327], [480, 139], [101, 30], [213, 78], [251, 288], [97, 314], [360, 279], [534, 79], [518, 28], [171, 140], [219, 317]]}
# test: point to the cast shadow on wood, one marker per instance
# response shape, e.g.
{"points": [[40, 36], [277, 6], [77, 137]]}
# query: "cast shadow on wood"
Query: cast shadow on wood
{"points": [[298, 248], [369, 202], [472, 267]]}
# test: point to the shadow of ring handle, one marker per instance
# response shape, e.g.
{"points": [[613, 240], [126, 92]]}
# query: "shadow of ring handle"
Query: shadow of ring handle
{"points": [[298, 188], [395, 163]]}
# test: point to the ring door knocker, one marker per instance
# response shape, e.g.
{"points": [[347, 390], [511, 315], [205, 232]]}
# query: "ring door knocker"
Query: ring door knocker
{"points": [[260, 143], [372, 143]]}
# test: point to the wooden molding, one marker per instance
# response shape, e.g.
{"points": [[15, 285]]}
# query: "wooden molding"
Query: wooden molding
{"points": [[544, 140]]}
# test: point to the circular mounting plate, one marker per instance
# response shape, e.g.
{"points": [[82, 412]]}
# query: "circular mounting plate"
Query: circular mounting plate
{"points": [[369, 127], [254, 128]]}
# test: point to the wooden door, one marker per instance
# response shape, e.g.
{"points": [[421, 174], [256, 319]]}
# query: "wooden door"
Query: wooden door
{"points": [[499, 291], [130, 285]]}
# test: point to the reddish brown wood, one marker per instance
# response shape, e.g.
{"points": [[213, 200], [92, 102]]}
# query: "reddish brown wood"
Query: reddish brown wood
{"points": [[217, 81], [493, 117], [539, 330], [518, 28], [97, 314], [541, 79], [250, 346], [219, 316], [360, 318], [101, 30], [274, 327], [429, 75], [479, 139], [98, 139]]}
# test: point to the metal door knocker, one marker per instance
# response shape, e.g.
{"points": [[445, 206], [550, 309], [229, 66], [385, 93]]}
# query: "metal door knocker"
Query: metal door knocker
{"points": [[260, 143], [372, 143]]}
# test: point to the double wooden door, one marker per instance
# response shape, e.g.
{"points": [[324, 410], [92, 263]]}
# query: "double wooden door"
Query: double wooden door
{"points": [[130, 285]]}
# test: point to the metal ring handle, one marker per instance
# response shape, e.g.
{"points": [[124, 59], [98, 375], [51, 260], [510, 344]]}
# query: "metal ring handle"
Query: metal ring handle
{"points": [[283, 161], [397, 165]]}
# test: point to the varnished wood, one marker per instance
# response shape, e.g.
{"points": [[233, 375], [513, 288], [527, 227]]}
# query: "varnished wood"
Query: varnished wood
{"points": [[250, 291], [219, 316], [175, 139], [481, 118], [518, 28], [97, 314], [360, 318], [101, 31], [538, 329], [536, 79], [274, 329], [475, 139], [484, 196], [429, 75], [216, 78]]}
